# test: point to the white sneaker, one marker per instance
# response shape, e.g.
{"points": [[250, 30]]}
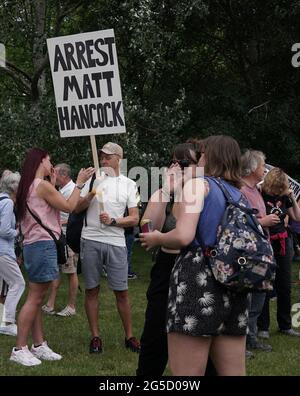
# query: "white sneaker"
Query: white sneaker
{"points": [[1, 312], [47, 310], [24, 356], [263, 334], [67, 311], [10, 329], [43, 352]]}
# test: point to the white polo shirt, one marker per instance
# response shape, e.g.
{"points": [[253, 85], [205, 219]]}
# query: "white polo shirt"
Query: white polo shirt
{"points": [[118, 192]]}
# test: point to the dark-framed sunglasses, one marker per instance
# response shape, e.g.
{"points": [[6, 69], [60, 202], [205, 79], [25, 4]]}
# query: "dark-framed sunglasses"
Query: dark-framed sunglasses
{"points": [[185, 163]]}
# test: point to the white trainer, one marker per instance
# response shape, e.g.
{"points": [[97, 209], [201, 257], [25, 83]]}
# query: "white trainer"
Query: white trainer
{"points": [[67, 311], [43, 352], [1, 312], [263, 334], [47, 310], [10, 329], [24, 356]]}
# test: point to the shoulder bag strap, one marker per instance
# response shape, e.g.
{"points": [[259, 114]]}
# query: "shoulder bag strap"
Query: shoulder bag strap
{"points": [[1, 199], [38, 220]]}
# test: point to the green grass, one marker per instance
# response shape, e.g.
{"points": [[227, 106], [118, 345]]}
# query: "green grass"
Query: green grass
{"points": [[70, 336]]}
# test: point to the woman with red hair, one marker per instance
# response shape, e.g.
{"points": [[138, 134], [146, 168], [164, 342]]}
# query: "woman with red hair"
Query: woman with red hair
{"points": [[38, 196]]}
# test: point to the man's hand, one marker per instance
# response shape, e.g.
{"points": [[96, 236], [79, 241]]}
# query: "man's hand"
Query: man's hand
{"points": [[105, 218]]}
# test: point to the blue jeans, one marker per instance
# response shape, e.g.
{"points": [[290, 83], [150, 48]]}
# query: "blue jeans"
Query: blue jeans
{"points": [[256, 305], [129, 244]]}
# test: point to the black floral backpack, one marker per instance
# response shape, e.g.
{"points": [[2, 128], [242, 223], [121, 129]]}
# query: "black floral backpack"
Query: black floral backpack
{"points": [[242, 259]]}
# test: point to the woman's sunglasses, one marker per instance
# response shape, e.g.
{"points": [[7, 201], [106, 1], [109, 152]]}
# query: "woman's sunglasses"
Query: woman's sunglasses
{"points": [[185, 163]]}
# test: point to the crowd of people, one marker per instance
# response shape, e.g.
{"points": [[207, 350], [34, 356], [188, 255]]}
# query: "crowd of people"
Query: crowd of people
{"points": [[191, 320]]}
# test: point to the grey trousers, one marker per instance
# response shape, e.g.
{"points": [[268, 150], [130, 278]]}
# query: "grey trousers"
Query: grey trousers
{"points": [[11, 273]]}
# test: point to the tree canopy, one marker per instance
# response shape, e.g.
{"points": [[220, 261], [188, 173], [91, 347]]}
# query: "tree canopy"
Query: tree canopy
{"points": [[188, 69]]}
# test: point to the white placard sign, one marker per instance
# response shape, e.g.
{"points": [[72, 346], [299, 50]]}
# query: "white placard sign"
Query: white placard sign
{"points": [[86, 83]]}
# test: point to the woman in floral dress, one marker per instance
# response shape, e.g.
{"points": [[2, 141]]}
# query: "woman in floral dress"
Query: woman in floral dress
{"points": [[204, 318]]}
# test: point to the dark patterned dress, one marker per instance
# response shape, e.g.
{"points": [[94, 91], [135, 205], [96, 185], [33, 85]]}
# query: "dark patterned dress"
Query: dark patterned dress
{"points": [[198, 305]]}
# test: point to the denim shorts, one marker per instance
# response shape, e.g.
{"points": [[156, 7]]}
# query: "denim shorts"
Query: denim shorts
{"points": [[40, 259]]}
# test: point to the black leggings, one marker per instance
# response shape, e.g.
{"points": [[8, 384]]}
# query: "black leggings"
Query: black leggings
{"points": [[282, 287]]}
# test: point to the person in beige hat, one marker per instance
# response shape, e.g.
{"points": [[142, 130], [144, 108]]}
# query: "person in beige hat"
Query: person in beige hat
{"points": [[103, 241], [112, 149]]}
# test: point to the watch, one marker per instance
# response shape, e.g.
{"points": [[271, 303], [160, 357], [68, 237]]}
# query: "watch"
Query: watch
{"points": [[113, 221], [80, 186]]}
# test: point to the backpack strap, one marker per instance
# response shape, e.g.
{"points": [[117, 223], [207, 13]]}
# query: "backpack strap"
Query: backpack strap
{"points": [[90, 189], [230, 200], [251, 212], [1, 199]]}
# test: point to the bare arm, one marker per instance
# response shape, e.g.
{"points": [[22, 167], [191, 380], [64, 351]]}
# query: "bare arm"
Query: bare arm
{"points": [[156, 210], [269, 220], [129, 221], [186, 225], [46, 191], [294, 211], [84, 202]]}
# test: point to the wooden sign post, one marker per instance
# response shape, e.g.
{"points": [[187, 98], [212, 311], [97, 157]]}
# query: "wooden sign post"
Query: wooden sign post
{"points": [[95, 155]]}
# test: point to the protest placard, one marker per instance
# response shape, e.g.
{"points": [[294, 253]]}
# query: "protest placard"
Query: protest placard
{"points": [[87, 84]]}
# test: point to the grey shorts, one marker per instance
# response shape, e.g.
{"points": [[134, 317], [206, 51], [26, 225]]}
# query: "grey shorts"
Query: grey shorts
{"points": [[94, 255]]}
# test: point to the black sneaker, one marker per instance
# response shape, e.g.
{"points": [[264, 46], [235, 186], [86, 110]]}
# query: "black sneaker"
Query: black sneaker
{"points": [[132, 275], [96, 345], [259, 346], [133, 344]]}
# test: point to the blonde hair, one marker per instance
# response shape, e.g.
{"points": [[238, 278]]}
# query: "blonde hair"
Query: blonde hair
{"points": [[275, 182]]}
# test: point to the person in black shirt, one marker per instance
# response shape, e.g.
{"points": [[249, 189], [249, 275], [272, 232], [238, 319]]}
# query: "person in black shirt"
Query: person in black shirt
{"points": [[279, 200]]}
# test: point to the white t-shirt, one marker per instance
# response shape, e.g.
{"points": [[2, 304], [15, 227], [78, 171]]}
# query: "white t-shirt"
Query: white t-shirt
{"points": [[66, 191], [117, 192]]}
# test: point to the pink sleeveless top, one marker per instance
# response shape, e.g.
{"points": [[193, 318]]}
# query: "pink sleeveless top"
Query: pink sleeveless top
{"points": [[49, 216]]}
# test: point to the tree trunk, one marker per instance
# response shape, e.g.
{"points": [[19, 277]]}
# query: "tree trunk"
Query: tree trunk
{"points": [[38, 87]]}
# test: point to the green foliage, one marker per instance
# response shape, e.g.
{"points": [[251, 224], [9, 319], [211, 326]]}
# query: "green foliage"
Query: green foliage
{"points": [[70, 336], [188, 69]]}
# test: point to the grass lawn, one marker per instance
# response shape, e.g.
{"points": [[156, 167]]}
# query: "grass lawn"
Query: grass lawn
{"points": [[70, 336]]}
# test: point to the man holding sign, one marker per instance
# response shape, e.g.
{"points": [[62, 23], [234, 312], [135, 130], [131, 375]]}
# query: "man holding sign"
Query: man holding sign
{"points": [[103, 241]]}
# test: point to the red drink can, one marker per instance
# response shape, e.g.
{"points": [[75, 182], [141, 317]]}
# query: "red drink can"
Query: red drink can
{"points": [[146, 225]]}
